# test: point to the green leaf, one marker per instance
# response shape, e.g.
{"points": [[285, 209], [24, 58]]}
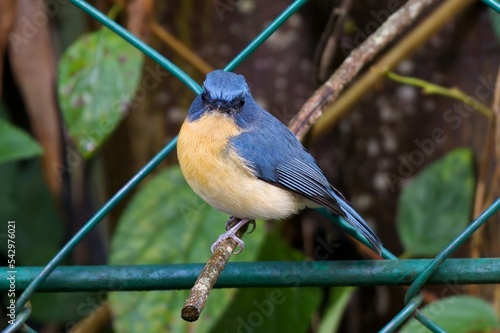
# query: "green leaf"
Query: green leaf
{"points": [[272, 309], [98, 75], [457, 314], [437, 205], [64, 307], [339, 298], [167, 223], [25, 199], [16, 144]]}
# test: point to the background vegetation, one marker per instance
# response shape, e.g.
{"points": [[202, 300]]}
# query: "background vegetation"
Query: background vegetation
{"points": [[81, 111]]}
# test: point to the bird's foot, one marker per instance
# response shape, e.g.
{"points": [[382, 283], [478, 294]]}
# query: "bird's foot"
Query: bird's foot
{"points": [[233, 220], [232, 229]]}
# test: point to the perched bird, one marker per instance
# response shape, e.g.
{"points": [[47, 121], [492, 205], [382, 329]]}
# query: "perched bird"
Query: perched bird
{"points": [[243, 161]]}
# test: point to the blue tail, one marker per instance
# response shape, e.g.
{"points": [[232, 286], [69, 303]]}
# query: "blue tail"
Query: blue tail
{"points": [[358, 223]]}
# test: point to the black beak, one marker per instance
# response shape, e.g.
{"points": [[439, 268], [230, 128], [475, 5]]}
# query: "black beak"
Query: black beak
{"points": [[222, 106]]}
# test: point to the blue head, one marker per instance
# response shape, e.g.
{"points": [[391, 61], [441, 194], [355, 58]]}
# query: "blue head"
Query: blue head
{"points": [[223, 92]]}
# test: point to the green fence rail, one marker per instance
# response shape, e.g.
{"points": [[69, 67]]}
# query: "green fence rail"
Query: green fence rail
{"points": [[260, 274], [414, 273]]}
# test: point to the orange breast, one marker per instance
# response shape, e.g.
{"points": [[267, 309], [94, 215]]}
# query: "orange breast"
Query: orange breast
{"points": [[222, 178]]}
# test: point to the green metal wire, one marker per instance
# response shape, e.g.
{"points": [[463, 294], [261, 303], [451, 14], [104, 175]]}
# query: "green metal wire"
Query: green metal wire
{"points": [[439, 259], [177, 72], [423, 277], [260, 274], [428, 323], [93, 222], [402, 315], [143, 47], [261, 38], [493, 4], [21, 318], [353, 232], [431, 271]]}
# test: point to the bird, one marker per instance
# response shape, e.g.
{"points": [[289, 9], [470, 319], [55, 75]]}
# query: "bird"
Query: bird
{"points": [[245, 162]]}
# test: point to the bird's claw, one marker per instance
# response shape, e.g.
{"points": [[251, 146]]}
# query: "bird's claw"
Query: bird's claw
{"points": [[253, 225], [227, 235], [231, 222], [231, 234]]}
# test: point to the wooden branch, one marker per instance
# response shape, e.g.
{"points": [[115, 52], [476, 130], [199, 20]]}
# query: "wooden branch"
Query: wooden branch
{"points": [[359, 57], [180, 48], [402, 50], [206, 280], [306, 117]]}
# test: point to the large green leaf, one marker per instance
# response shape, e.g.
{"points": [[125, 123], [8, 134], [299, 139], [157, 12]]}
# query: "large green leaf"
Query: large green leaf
{"points": [[98, 75], [265, 310], [457, 314], [167, 223], [436, 206], [25, 199], [15, 144]]}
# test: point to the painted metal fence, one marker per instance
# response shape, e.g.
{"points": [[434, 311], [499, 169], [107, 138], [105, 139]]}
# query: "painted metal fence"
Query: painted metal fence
{"points": [[415, 273]]}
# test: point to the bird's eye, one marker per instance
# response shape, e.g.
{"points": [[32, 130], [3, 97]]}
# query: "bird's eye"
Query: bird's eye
{"points": [[204, 97], [241, 102]]}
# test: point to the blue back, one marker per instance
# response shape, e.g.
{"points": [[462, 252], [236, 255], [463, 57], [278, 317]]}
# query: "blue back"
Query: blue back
{"points": [[270, 149]]}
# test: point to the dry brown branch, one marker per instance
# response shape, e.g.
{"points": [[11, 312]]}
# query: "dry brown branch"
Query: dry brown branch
{"points": [[180, 48], [140, 15], [359, 57], [482, 200], [7, 15], [496, 109], [95, 321], [206, 280], [309, 113], [427, 28], [33, 63], [328, 44]]}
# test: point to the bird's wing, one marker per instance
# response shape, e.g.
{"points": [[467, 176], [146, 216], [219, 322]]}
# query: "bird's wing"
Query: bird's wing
{"points": [[308, 181], [276, 156]]}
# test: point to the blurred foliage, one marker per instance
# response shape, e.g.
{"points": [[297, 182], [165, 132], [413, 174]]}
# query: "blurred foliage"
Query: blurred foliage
{"points": [[26, 200], [437, 204], [15, 144], [338, 300], [263, 310], [165, 223], [457, 314], [98, 76]]}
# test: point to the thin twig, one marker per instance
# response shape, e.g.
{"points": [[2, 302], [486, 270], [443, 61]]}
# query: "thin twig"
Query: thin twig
{"points": [[165, 36], [402, 50], [206, 280], [328, 43], [434, 89], [359, 57], [309, 113], [180, 48], [496, 110], [482, 200], [307, 116], [95, 321]]}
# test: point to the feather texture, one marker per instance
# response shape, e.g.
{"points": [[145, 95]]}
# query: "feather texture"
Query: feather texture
{"points": [[245, 162]]}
